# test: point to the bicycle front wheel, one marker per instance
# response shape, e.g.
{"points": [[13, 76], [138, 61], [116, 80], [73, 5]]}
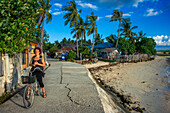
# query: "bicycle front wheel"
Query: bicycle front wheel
{"points": [[28, 96]]}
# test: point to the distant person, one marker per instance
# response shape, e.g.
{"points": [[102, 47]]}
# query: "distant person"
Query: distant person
{"points": [[38, 61]]}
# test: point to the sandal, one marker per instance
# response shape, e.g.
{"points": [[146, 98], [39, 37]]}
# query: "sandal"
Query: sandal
{"points": [[44, 95]]}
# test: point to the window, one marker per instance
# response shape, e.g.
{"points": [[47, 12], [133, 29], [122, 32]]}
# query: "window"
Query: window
{"points": [[23, 58]]}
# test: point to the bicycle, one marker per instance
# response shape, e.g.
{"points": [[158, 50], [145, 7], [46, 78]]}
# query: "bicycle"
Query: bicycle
{"points": [[31, 88]]}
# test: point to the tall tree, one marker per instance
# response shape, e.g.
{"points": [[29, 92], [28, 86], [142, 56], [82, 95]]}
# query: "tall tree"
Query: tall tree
{"points": [[92, 29], [141, 35], [146, 46], [82, 30], [117, 16], [98, 39], [111, 39], [89, 42], [17, 25], [64, 40], [69, 40], [72, 16], [127, 30], [56, 42], [44, 8]]}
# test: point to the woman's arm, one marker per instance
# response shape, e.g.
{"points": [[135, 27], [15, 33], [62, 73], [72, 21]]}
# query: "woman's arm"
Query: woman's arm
{"points": [[31, 62], [43, 63]]}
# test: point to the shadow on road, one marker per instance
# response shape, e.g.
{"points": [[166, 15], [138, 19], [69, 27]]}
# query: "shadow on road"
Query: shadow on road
{"points": [[16, 98]]}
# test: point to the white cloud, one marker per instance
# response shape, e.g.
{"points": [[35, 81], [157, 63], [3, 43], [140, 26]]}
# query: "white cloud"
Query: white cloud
{"points": [[87, 5], [108, 16], [57, 9], [151, 12], [166, 37], [126, 14], [162, 40], [98, 18], [117, 4], [57, 13], [57, 4], [137, 2]]}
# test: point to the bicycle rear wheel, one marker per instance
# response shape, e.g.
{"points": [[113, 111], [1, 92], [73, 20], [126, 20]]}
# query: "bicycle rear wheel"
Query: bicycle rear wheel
{"points": [[28, 96]]}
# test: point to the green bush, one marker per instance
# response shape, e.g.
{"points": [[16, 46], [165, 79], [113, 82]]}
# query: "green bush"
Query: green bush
{"points": [[17, 24], [71, 55]]}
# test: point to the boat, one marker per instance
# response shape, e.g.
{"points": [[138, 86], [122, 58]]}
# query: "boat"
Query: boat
{"points": [[106, 60]]}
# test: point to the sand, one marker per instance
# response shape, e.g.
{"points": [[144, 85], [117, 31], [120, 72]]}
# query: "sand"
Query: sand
{"points": [[145, 82]]}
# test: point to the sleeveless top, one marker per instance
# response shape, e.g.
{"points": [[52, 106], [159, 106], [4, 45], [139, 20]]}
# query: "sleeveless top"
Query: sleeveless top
{"points": [[39, 61]]}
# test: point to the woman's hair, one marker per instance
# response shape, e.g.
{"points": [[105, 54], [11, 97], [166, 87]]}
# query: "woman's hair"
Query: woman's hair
{"points": [[38, 49]]}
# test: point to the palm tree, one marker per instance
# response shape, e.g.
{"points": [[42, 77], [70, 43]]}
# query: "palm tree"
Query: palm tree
{"points": [[111, 39], [127, 29], [141, 35], [117, 16], [98, 39], [44, 7], [82, 30], [92, 28], [72, 16]]}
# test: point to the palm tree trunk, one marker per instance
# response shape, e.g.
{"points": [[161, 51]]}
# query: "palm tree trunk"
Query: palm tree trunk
{"points": [[85, 36], [81, 39], [77, 43], [39, 21], [42, 36], [92, 47], [118, 34]]}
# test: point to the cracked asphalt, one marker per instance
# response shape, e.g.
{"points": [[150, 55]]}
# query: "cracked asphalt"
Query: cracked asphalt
{"points": [[69, 90]]}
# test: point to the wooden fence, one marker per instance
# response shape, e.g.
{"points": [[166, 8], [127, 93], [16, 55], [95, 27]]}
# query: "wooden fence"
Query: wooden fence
{"points": [[133, 58]]}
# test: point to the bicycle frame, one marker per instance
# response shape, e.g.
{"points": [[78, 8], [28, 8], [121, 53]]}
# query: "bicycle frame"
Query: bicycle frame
{"points": [[30, 89]]}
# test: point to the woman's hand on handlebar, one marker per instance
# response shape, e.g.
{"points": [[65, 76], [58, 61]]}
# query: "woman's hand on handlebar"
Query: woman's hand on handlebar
{"points": [[35, 63]]}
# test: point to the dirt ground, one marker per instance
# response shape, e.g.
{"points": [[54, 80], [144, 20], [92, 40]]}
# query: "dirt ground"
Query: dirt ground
{"points": [[144, 83]]}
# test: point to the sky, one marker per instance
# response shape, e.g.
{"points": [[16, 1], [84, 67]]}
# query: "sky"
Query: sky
{"points": [[151, 16]]}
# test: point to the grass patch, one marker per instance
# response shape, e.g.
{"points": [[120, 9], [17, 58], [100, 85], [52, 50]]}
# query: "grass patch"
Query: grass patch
{"points": [[166, 56], [163, 51], [5, 97]]}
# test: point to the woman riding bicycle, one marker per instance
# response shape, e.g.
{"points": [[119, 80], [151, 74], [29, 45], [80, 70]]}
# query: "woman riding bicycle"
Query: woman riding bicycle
{"points": [[38, 61]]}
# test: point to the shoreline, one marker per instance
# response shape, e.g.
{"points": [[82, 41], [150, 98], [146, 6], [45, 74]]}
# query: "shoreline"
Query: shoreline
{"points": [[140, 87]]}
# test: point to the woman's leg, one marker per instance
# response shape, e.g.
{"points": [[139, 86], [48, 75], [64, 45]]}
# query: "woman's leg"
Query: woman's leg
{"points": [[39, 79]]}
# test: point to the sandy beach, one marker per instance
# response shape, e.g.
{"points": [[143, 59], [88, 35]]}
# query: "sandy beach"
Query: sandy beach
{"points": [[145, 83]]}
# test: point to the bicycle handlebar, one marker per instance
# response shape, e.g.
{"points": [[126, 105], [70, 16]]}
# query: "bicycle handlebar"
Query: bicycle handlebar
{"points": [[28, 69]]}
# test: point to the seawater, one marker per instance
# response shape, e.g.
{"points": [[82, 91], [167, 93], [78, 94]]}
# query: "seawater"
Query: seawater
{"points": [[161, 47], [168, 74]]}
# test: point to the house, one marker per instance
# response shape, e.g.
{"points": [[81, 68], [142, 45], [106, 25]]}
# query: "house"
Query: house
{"points": [[84, 44], [28, 53], [62, 45], [109, 53], [102, 46], [65, 49], [58, 52]]}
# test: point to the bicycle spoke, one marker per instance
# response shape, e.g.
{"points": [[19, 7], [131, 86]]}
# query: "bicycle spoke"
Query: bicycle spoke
{"points": [[28, 97]]}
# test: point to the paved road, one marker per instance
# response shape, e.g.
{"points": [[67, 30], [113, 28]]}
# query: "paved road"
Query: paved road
{"points": [[69, 90]]}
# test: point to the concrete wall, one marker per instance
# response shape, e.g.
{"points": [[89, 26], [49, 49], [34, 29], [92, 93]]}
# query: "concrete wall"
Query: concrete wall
{"points": [[11, 70]]}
